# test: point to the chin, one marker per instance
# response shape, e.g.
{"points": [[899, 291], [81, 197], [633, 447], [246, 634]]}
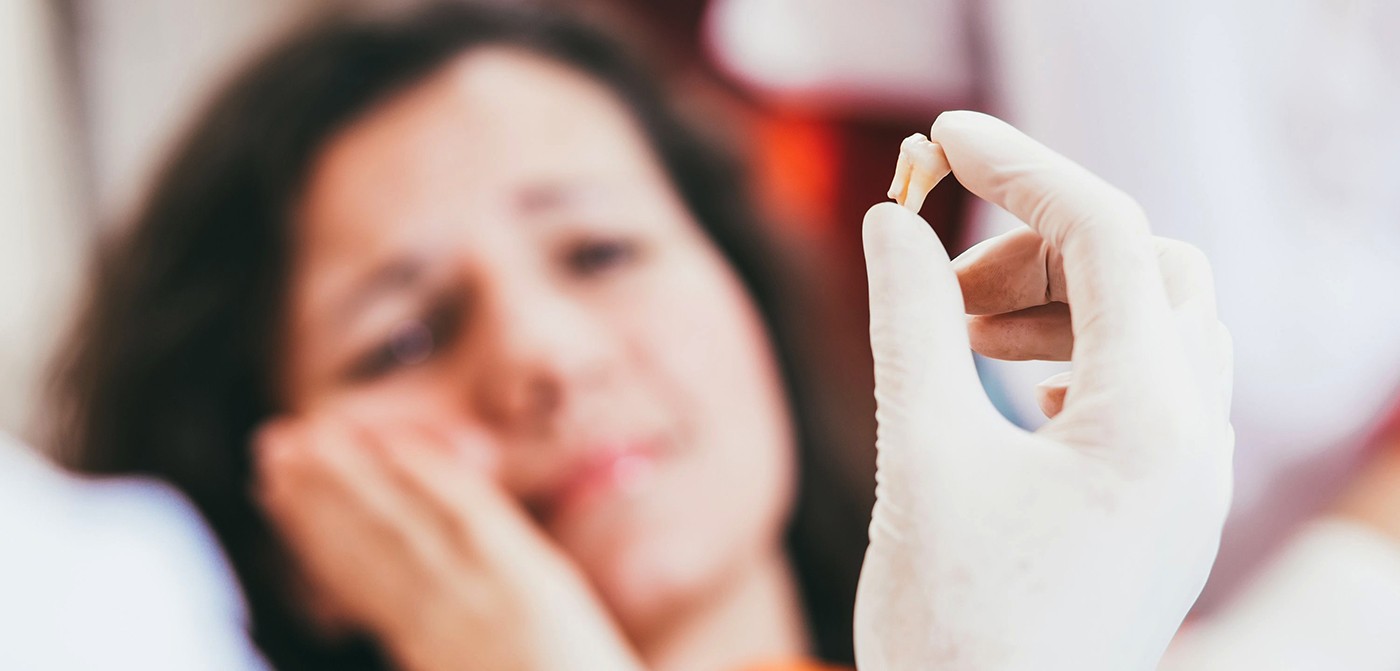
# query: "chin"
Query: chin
{"points": [[676, 545], [654, 580]]}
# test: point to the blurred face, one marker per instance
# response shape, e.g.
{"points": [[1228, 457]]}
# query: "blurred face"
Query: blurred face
{"points": [[497, 249]]}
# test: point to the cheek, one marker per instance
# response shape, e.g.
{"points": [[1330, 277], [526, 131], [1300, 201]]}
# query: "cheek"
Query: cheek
{"points": [[724, 500], [708, 344]]}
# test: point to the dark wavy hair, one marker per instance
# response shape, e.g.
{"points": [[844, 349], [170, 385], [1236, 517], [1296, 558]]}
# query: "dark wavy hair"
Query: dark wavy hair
{"points": [[171, 366]]}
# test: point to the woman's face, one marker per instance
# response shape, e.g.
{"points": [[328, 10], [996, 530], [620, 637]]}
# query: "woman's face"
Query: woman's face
{"points": [[498, 249]]}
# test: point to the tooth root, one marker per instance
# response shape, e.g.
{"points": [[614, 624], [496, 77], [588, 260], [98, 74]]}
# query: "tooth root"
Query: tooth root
{"points": [[899, 187], [929, 166], [917, 191]]}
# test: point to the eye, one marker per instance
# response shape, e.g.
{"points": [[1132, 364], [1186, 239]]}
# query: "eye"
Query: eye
{"points": [[595, 257], [410, 343]]}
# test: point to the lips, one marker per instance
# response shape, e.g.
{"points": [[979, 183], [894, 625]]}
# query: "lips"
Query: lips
{"points": [[614, 469]]}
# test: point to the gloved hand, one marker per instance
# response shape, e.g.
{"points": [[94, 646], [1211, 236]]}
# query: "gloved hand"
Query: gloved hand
{"points": [[1083, 544]]}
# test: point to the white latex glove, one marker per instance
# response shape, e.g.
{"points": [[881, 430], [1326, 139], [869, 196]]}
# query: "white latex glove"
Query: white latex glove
{"points": [[1081, 545]]}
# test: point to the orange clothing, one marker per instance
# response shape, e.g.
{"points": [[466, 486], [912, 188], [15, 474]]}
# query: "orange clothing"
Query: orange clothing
{"points": [[795, 665]]}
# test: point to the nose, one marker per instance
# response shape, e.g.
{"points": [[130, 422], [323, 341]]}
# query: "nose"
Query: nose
{"points": [[542, 349]]}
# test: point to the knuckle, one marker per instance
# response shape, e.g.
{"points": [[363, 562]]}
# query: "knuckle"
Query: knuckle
{"points": [[1187, 272], [1226, 343], [1107, 215], [1183, 256], [1126, 211]]}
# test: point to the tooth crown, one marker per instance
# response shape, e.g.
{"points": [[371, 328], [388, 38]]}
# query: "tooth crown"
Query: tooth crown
{"points": [[921, 166]]}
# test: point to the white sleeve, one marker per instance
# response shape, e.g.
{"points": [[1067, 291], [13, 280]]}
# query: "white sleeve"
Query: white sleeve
{"points": [[118, 574], [1330, 600]]}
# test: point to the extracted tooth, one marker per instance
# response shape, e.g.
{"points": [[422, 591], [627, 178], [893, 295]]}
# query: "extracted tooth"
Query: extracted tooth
{"points": [[928, 166], [902, 169]]}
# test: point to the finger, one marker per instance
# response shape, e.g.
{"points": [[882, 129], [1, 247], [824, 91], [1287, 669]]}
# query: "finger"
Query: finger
{"points": [[433, 463], [275, 468], [295, 506], [1009, 277], [428, 464], [1186, 275], [305, 504], [1225, 369], [391, 446], [289, 462], [1210, 351], [1017, 270], [272, 442], [924, 371], [1112, 282], [1191, 290], [1043, 333], [336, 477], [1039, 333], [340, 520], [1009, 272], [1050, 393], [480, 454]]}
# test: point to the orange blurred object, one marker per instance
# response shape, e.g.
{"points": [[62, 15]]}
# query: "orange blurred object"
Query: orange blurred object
{"points": [[796, 665], [796, 166]]}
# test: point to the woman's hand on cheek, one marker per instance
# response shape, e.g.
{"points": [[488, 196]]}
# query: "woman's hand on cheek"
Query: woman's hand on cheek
{"points": [[399, 533], [1083, 544]]}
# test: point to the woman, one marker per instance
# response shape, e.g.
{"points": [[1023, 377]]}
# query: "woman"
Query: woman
{"points": [[468, 231]]}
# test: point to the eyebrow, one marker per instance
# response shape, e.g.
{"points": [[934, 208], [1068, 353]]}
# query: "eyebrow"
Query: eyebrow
{"points": [[393, 276], [538, 199], [545, 197]]}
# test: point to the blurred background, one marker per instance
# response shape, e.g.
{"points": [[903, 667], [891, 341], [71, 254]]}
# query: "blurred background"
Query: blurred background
{"points": [[1265, 133]]}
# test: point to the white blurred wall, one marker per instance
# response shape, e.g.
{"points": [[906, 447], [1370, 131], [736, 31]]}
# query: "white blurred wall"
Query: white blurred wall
{"points": [[146, 66], [86, 117], [41, 203]]}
